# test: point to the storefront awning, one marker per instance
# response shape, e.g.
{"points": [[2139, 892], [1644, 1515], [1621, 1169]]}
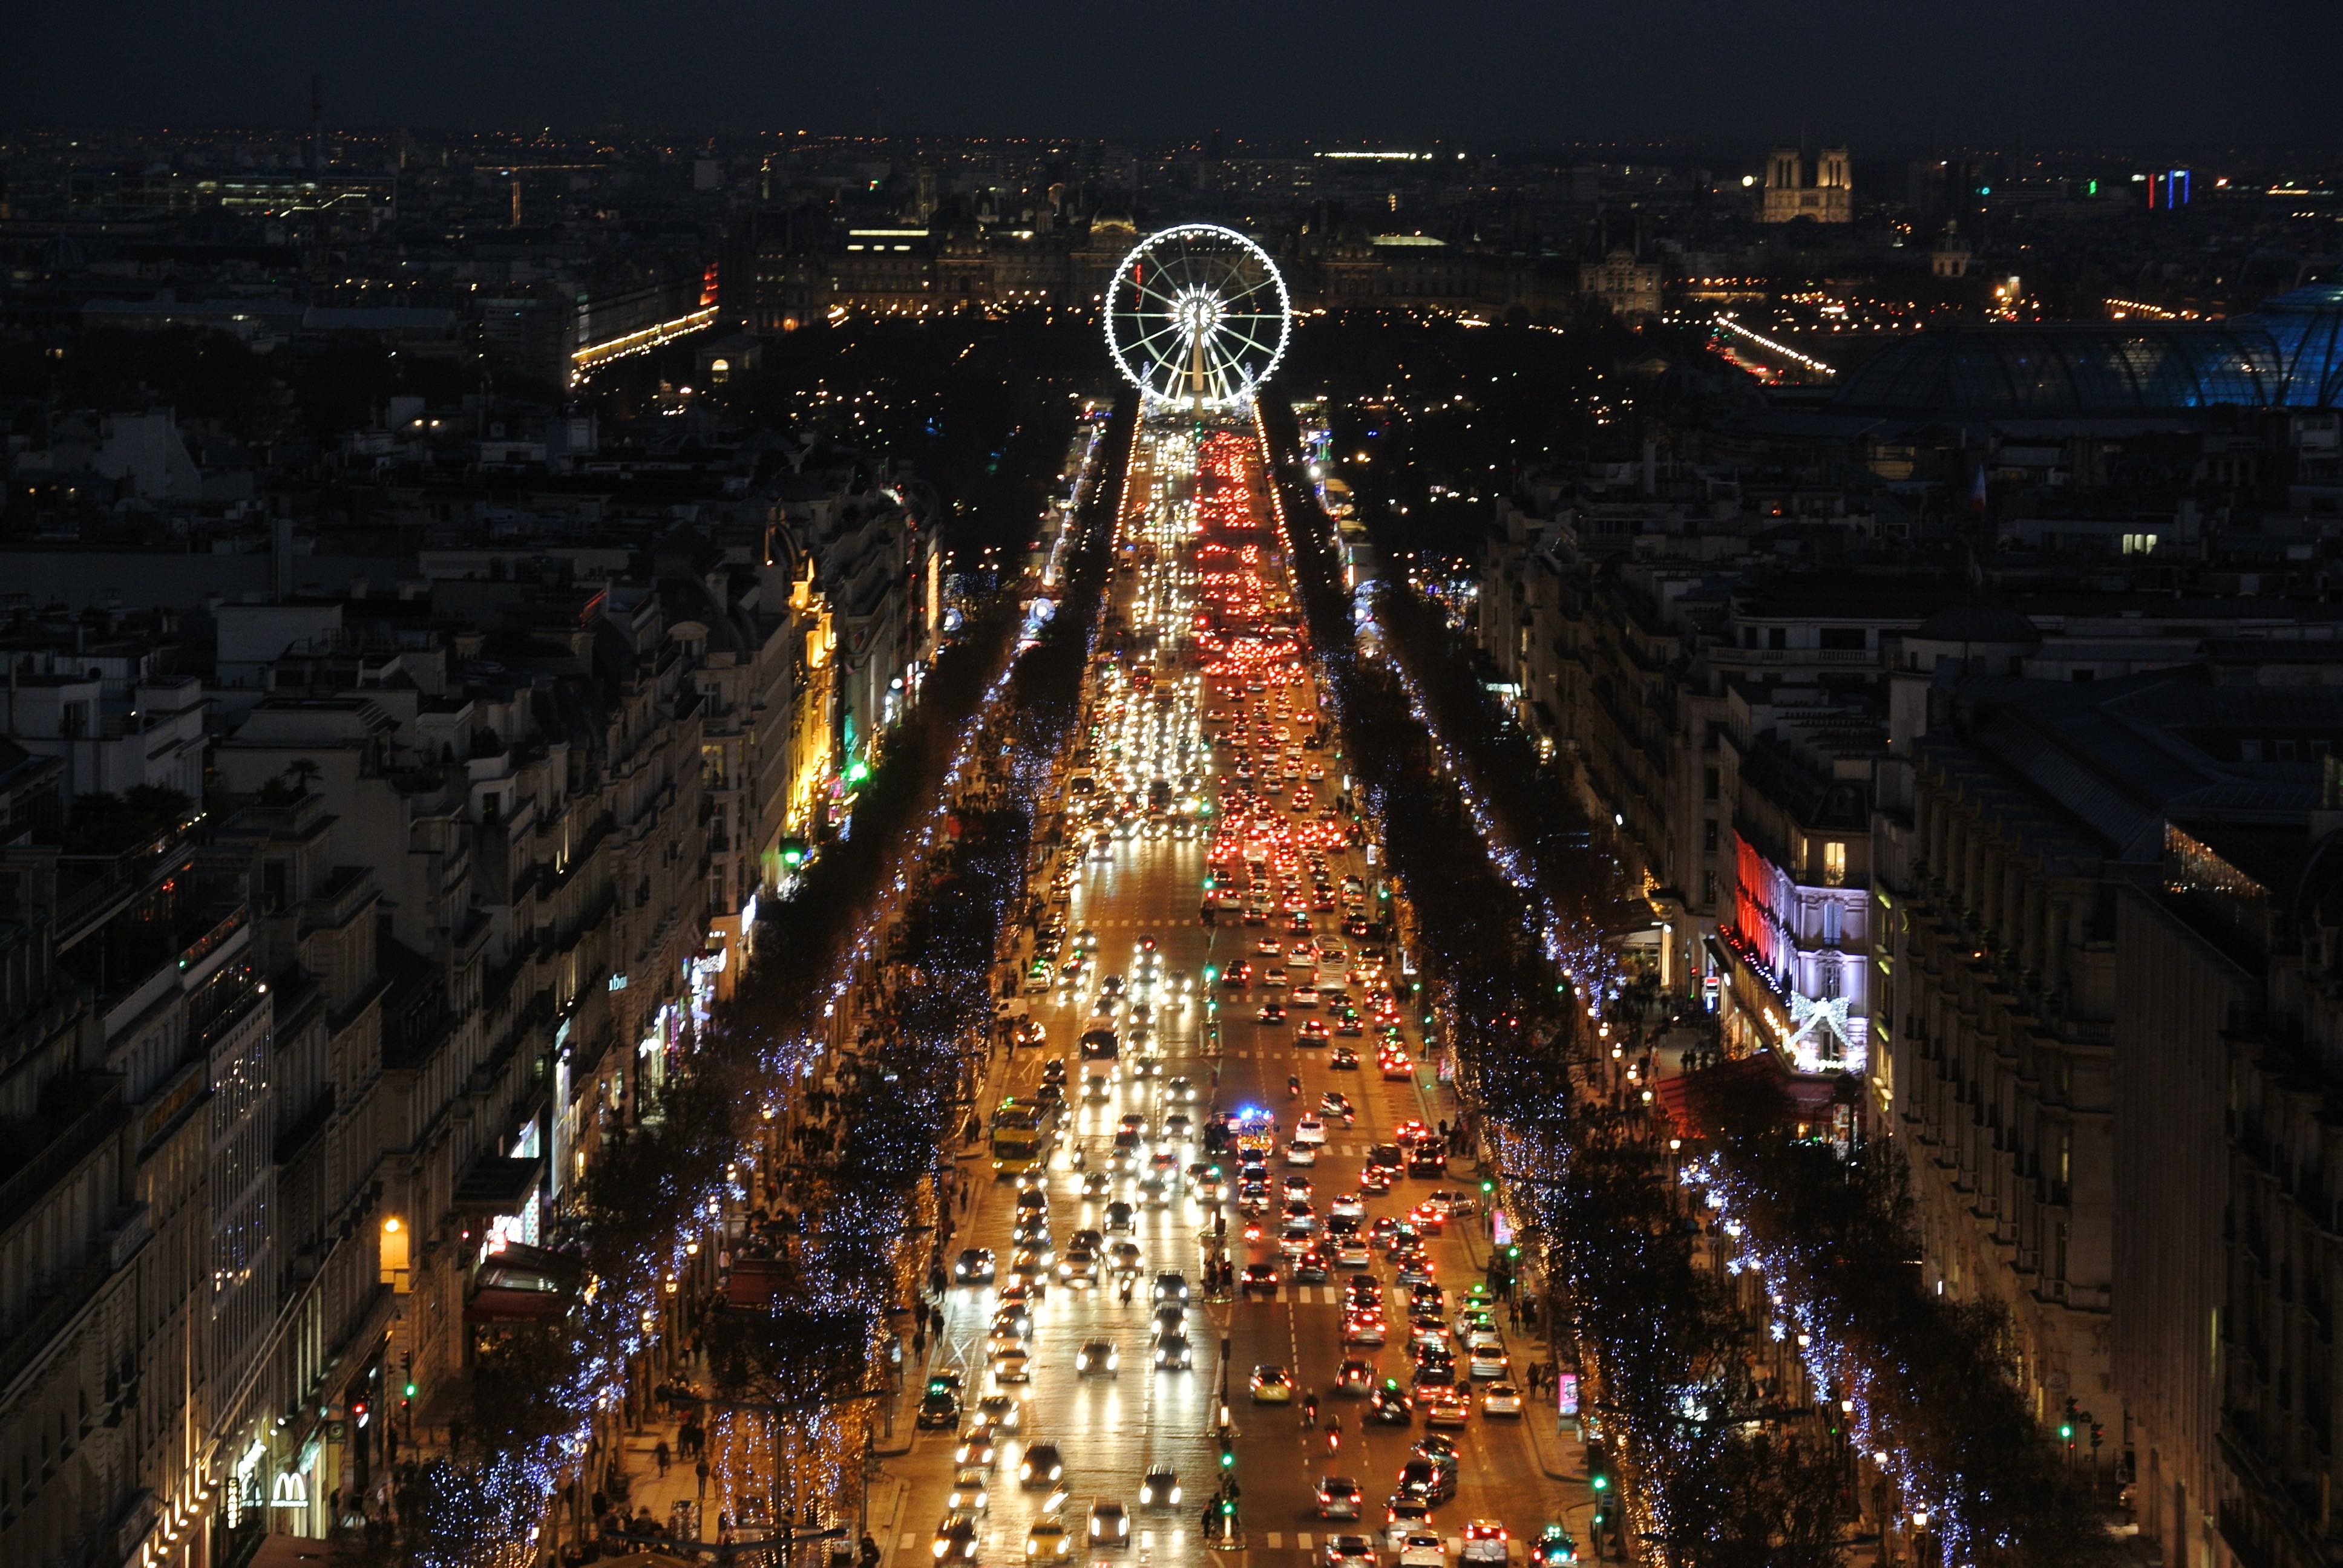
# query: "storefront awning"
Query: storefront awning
{"points": [[1805, 1097]]}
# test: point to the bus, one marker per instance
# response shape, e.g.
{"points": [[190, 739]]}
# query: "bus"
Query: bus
{"points": [[1016, 1151]]}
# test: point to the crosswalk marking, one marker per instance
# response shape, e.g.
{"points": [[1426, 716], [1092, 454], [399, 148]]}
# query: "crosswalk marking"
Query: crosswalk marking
{"points": [[910, 1539], [1302, 1541], [1272, 1540]]}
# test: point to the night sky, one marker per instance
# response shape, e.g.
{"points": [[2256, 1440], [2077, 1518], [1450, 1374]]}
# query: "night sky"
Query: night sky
{"points": [[2077, 73]]}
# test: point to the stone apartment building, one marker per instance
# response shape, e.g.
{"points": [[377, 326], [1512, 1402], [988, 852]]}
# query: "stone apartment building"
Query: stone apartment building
{"points": [[479, 858]]}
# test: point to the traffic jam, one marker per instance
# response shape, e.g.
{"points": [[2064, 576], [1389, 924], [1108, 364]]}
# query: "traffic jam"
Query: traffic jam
{"points": [[1241, 1293]]}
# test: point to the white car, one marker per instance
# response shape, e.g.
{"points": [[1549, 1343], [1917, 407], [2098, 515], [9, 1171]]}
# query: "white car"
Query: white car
{"points": [[1501, 1399], [1299, 1153], [1310, 1130], [1422, 1551]]}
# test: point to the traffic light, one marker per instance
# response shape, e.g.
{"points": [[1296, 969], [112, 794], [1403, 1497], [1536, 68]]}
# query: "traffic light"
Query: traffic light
{"points": [[1228, 1450], [408, 1392], [1212, 974], [1598, 1480], [1487, 1187], [793, 852]]}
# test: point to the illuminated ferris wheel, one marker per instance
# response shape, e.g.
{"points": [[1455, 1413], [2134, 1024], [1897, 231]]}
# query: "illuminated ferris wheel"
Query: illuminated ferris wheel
{"points": [[1198, 314]]}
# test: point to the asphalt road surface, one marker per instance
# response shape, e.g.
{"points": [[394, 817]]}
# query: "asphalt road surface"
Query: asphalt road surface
{"points": [[1111, 1429]]}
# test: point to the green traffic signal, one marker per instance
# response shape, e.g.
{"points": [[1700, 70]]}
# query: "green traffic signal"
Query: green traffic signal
{"points": [[1488, 1187], [1599, 1482]]}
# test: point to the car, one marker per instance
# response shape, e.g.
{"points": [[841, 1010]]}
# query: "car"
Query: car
{"points": [[1097, 1358], [1127, 1258], [1404, 1516], [1172, 1354], [1343, 1059], [1553, 1548], [1272, 1385], [1422, 1551], [1002, 1410], [972, 1491], [1339, 1498], [1096, 1184], [1501, 1399], [1302, 1153], [1109, 1524], [1043, 1466], [1438, 1447], [1484, 1365], [1364, 1328], [940, 1402], [1459, 1205], [1427, 1479], [1159, 1488], [1271, 1012], [1010, 1363], [975, 1447], [1048, 1541], [1354, 1376], [974, 1266], [1171, 1287], [1387, 1406], [1013, 1318], [1258, 1279], [1304, 995], [1310, 1267], [1121, 1217], [1447, 1408], [1309, 1130], [1349, 1552], [1351, 1253], [956, 1539], [1484, 1542], [1179, 1090]]}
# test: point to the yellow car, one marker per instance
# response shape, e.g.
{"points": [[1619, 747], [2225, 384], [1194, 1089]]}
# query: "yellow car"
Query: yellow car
{"points": [[1048, 1541], [1272, 1385]]}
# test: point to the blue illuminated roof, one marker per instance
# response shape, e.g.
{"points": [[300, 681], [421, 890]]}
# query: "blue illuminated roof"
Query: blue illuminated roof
{"points": [[2288, 354]]}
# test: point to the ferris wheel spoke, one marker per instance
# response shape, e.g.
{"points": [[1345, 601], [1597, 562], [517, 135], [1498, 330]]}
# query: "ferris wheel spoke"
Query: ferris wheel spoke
{"points": [[1248, 340]]}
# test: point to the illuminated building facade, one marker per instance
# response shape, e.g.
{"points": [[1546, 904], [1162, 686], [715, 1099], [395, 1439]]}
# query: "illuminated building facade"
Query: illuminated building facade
{"points": [[1787, 197]]}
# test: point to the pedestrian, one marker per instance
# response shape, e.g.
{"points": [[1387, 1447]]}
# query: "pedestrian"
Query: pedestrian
{"points": [[658, 1454], [701, 1470]]}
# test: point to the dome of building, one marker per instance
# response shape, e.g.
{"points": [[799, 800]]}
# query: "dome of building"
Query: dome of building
{"points": [[2288, 354], [2306, 326]]}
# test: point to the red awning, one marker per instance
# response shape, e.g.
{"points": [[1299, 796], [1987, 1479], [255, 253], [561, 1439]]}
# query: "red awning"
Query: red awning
{"points": [[1807, 1097]]}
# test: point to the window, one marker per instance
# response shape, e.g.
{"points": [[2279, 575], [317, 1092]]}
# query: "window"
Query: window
{"points": [[1708, 837], [1833, 864], [1708, 889], [1833, 915], [1777, 636], [1710, 780], [1852, 639]]}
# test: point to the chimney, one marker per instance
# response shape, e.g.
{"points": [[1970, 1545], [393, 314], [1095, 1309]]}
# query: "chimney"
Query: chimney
{"points": [[281, 548]]}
